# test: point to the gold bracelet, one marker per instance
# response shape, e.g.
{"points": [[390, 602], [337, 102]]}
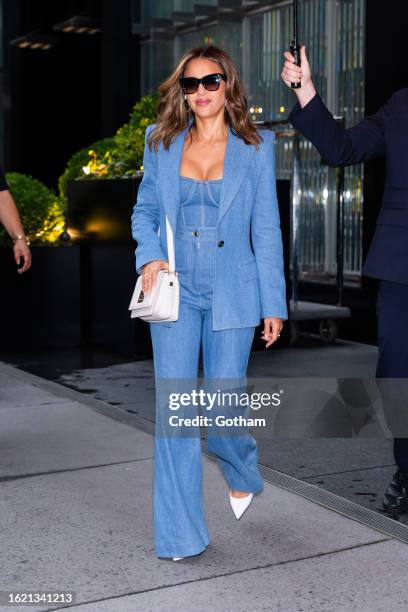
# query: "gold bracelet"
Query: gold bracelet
{"points": [[21, 237]]}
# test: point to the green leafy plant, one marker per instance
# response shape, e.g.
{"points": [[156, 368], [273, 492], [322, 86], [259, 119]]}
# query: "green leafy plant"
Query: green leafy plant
{"points": [[120, 156], [80, 159], [41, 210], [130, 137]]}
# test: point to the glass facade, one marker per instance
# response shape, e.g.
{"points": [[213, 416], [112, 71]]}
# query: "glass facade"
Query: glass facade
{"points": [[256, 36]]}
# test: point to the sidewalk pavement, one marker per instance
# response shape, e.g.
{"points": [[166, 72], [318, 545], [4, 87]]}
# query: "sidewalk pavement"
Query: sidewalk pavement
{"points": [[76, 514]]}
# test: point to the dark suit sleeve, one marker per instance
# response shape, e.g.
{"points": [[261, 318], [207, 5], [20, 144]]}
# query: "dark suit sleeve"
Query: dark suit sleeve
{"points": [[337, 145], [3, 182]]}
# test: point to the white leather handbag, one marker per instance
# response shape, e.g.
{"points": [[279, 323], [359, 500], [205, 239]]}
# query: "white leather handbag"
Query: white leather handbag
{"points": [[161, 303]]}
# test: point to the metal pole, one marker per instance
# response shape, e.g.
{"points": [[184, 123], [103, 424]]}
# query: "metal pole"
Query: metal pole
{"points": [[295, 21], [295, 47]]}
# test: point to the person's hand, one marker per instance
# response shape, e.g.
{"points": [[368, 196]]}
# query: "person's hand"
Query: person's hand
{"points": [[150, 272], [271, 331], [292, 73], [22, 250]]}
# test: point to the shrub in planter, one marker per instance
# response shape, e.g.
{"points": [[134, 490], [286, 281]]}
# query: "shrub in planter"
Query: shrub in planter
{"points": [[41, 210], [80, 159], [130, 137], [120, 156]]}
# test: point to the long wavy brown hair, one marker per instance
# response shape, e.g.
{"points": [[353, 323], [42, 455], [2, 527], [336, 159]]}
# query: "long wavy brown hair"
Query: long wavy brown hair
{"points": [[174, 114]]}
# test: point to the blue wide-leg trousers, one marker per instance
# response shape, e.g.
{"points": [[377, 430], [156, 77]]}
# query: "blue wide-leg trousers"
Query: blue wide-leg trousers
{"points": [[180, 528]]}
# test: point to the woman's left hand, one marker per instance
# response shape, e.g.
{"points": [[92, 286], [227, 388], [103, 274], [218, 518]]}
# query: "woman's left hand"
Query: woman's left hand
{"points": [[272, 330]]}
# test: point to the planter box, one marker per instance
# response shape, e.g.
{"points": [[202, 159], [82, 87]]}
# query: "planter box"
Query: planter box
{"points": [[41, 308], [99, 220], [99, 210], [108, 276]]}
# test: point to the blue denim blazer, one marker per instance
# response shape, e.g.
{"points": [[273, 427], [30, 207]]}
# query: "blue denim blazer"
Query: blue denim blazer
{"points": [[249, 282]]}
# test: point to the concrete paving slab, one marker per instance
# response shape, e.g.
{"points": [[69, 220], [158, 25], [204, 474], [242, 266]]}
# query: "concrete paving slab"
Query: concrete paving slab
{"points": [[16, 392], [46, 437], [129, 386], [90, 531], [360, 579], [360, 487], [342, 359], [320, 456]]}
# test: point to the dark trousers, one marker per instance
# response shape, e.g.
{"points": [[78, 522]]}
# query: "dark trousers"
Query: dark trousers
{"points": [[392, 311]]}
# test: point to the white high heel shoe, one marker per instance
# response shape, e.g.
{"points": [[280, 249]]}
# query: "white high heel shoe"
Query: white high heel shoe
{"points": [[177, 558], [240, 504]]}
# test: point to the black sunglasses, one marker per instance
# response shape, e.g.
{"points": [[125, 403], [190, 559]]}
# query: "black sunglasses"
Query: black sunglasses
{"points": [[211, 82]]}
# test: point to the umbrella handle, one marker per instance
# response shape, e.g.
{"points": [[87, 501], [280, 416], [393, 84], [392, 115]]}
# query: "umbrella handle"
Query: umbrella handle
{"points": [[295, 50]]}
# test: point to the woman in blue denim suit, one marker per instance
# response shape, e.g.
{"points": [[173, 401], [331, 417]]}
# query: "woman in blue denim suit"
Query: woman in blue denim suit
{"points": [[212, 172]]}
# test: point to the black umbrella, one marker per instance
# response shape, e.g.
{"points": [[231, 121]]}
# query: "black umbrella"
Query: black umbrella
{"points": [[295, 47]]}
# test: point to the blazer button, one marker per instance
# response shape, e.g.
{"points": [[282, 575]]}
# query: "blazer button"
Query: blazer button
{"points": [[195, 233], [221, 243]]}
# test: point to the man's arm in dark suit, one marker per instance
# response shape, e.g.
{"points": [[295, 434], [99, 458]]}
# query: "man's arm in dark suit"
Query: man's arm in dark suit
{"points": [[337, 145]]}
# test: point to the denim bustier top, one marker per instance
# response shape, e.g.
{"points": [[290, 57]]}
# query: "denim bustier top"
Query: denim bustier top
{"points": [[199, 201]]}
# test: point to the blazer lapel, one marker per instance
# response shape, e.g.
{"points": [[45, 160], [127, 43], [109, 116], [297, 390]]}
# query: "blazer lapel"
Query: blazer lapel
{"points": [[168, 176], [238, 157]]}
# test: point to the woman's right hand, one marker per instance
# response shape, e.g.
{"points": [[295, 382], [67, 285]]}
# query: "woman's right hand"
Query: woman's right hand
{"points": [[292, 73], [150, 271]]}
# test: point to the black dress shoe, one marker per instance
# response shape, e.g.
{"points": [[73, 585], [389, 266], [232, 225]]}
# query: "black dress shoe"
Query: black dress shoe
{"points": [[396, 496]]}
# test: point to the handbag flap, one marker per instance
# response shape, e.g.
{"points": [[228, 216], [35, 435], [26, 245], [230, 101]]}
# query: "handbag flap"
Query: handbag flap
{"points": [[140, 299]]}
